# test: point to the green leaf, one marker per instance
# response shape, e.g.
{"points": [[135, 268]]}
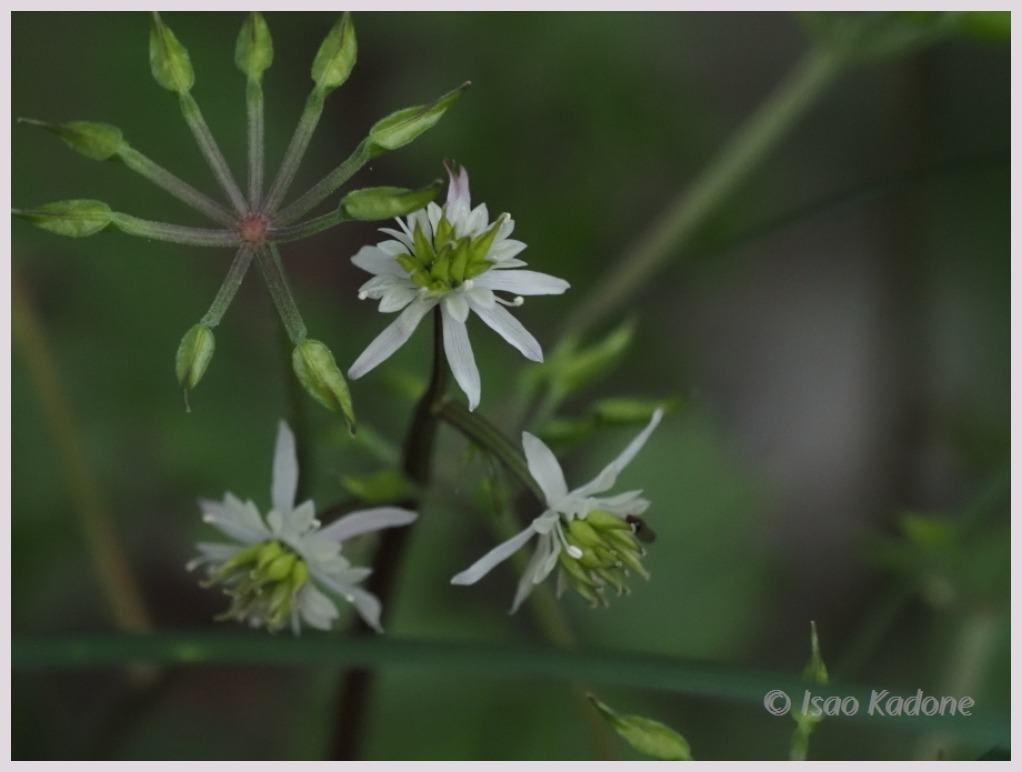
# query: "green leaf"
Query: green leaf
{"points": [[815, 670], [254, 51], [194, 354], [383, 203], [569, 368], [99, 141], [318, 373], [646, 735], [985, 25], [628, 411], [404, 126], [387, 485], [168, 59], [77, 217], [336, 56]]}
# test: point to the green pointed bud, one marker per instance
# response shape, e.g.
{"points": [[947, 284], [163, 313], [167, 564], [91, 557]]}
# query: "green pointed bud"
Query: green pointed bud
{"points": [[604, 521], [253, 52], [404, 126], [583, 534], [268, 552], [77, 217], [336, 57], [815, 670], [318, 373], [646, 735], [98, 141], [193, 355], [299, 575], [383, 203], [281, 567], [168, 59]]}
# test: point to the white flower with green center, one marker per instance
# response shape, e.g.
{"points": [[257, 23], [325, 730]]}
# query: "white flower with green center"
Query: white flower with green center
{"points": [[592, 538], [277, 569], [456, 258]]}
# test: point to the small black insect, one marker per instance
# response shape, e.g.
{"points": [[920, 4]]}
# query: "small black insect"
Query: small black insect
{"points": [[641, 529]]}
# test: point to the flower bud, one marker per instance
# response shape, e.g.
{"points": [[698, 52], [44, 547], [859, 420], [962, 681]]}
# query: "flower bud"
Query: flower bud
{"points": [[99, 141], [336, 56], [646, 735], [318, 373], [253, 52], [168, 59], [77, 217], [193, 355], [384, 203], [404, 126], [607, 552]]}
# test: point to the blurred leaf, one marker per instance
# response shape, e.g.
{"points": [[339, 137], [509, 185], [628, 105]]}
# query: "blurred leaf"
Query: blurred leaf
{"points": [[569, 368], [614, 411], [387, 485], [646, 735], [985, 25]]}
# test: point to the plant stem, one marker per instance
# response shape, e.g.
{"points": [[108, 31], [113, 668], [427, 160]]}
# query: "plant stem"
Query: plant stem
{"points": [[108, 556], [174, 185], [211, 152], [308, 228], [268, 260], [325, 186], [296, 149], [691, 209], [357, 683], [177, 234], [224, 296], [254, 104]]}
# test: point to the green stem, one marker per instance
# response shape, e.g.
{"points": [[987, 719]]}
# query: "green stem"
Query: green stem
{"points": [[357, 683], [268, 259], [308, 228], [325, 186], [177, 187], [211, 152], [227, 291], [490, 439], [176, 234], [296, 150], [690, 210], [108, 556], [254, 104]]}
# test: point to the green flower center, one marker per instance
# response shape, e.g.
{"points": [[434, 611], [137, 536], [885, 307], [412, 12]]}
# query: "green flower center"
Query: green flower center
{"points": [[609, 552], [447, 262], [263, 581]]}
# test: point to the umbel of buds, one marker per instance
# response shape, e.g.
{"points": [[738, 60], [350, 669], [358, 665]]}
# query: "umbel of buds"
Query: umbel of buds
{"points": [[254, 219]]}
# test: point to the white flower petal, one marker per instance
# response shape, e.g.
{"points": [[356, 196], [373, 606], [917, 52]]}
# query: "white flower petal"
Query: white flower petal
{"points": [[241, 521], [285, 470], [544, 468], [505, 249], [536, 571], [317, 609], [510, 329], [498, 554], [401, 235], [608, 476], [397, 297], [392, 337], [458, 197], [367, 520], [434, 213], [377, 260], [522, 282], [456, 304], [368, 606], [460, 357]]}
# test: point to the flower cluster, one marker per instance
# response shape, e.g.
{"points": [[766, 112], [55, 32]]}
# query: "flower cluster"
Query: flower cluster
{"points": [[277, 568], [591, 538], [454, 257]]}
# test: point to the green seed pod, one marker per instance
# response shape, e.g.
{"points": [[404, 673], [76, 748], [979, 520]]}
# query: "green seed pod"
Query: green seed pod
{"points": [[383, 203], [169, 60], [318, 373], [78, 217], [194, 354], [336, 56]]}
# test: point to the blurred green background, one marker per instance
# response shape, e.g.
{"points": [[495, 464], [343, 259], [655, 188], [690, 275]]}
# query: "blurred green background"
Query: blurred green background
{"points": [[839, 331]]}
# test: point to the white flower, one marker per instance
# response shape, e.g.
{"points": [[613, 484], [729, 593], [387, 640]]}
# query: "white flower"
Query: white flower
{"points": [[277, 569], [590, 536], [456, 258]]}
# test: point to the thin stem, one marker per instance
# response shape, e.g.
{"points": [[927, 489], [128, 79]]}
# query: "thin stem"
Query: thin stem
{"points": [[308, 228], [229, 288], [268, 259], [177, 234], [489, 438], [690, 210], [211, 152], [326, 186], [254, 102], [177, 187], [108, 556], [296, 149], [357, 683]]}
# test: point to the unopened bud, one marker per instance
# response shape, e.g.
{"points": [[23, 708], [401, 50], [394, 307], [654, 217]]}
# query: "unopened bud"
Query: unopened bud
{"points": [[383, 203], [169, 60], [404, 126], [193, 355], [318, 373], [77, 217], [336, 56]]}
